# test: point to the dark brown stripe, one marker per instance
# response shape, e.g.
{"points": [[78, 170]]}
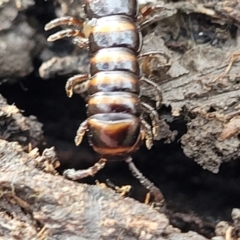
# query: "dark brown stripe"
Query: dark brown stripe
{"points": [[114, 81], [114, 133], [101, 8], [114, 59], [114, 102]]}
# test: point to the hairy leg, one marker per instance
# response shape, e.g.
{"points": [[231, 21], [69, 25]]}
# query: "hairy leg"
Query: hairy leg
{"points": [[82, 80], [144, 181]]}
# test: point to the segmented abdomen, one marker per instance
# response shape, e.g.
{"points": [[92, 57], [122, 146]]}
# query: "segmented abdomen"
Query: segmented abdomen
{"points": [[114, 107]]}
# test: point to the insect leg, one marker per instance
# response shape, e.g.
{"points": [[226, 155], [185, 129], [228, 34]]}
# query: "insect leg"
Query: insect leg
{"points": [[80, 132], [79, 174], [157, 90], [152, 53], [64, 21], [147, 133], [148, 15], [79, 36], [144, 181], [82, 82], [154, 117]]}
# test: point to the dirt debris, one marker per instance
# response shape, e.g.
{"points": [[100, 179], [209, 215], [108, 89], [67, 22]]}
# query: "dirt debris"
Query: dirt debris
{"points": [[42, 208], [15, 127]]}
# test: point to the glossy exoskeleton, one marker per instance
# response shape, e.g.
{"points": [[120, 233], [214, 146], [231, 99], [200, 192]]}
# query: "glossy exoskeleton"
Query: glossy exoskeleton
{"points": [[115, 125]]}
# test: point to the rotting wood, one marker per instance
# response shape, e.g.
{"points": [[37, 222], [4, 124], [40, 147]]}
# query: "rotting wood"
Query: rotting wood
{"points": [[188, 85], [202, 83], [37, 204], [15, 127]]}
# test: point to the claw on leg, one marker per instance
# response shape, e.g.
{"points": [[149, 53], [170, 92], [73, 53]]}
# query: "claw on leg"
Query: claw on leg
{"points": [[81, 80], [79, 174], [67, 33], [147, 134], [157, 89], [79, 39], [154, 117], [80, 132], [144, 181], [64, 21]]}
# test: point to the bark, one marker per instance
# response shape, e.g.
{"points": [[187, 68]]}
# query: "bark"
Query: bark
{"points": [[15, 127], [35, 204]]}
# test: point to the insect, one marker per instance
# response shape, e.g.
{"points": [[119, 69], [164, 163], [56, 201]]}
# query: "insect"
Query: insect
{"points": [[115, 125]]}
